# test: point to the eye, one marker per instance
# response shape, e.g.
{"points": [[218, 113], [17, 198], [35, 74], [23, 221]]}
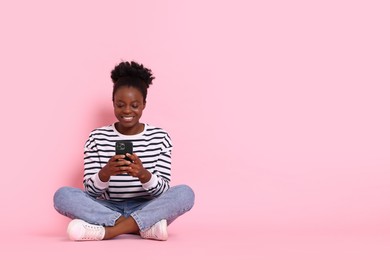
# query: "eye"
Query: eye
{"points": [[119, 105]]}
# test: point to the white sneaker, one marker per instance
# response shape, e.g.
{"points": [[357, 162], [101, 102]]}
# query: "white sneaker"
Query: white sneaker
{"points": [[158, 231], [80, 230]]}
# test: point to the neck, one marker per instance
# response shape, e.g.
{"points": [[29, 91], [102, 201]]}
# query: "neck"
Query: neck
{"points": [[133, 130]]}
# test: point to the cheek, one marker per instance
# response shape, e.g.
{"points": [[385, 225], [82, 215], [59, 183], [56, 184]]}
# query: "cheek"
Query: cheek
{"points": [[116, 111], [138, 110], [136, 113]]}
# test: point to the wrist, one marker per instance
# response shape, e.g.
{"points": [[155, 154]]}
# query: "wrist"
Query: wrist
{"points": [[145, 176], [103, 176]]}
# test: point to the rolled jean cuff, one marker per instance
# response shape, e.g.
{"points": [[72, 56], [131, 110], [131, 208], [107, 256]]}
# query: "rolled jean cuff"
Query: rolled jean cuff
{"points": [[111, 222], [137, 220]]}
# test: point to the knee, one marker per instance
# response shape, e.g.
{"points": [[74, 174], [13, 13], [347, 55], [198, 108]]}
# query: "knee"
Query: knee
{"points": [[187, 194], [61, 195]]}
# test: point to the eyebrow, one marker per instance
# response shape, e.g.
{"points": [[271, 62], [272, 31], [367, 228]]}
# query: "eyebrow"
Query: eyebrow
{"points": [[121, 101]]}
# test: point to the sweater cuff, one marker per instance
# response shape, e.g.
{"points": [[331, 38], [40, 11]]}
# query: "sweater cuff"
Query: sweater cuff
{"points": [[151, 183], [98, 183]]}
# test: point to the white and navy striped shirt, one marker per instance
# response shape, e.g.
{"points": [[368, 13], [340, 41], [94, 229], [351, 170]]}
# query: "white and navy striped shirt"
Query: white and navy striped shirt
{"points": [[153, 146]]}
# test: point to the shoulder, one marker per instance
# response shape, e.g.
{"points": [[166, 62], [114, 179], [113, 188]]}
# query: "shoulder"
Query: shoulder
{"points": [[159, 135], [151, 130], [107, 131]]}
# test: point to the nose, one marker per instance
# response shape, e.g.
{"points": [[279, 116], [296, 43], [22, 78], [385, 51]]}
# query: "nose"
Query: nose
{"points": [[127, 109]]}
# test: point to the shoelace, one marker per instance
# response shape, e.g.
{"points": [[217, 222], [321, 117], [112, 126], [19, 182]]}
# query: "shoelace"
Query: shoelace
{"points": [[92, 232]]}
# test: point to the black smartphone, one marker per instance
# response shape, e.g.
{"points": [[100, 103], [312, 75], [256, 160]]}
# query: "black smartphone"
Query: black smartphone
{"points": [[124, 147]]}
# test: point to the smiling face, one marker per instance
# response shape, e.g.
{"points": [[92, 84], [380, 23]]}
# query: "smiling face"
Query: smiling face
{"points": [[128, 107]]}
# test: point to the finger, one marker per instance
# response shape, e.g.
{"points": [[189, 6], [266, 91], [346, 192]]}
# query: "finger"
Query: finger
{"points": [[120, 162], [123, 169], [118, 157], [133, 170], [129, 157], [136, 159], [130, 169]]}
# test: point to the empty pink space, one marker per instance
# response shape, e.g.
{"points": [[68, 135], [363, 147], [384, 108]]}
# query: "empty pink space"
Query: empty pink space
{"points": [[278, 111]]}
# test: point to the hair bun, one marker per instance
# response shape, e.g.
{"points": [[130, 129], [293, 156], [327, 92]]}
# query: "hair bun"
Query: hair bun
{"points": [[132, 70]]}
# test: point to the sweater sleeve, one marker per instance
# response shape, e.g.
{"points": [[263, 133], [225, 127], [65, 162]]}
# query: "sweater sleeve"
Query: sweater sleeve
{"points": [[161, 175], [92, 165]]}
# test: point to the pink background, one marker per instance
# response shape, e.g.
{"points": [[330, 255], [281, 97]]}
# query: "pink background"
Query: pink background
{"points": [[279, 113]]}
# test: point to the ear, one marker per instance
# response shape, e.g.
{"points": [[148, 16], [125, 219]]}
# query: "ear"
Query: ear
{"points": [[144, 104]]}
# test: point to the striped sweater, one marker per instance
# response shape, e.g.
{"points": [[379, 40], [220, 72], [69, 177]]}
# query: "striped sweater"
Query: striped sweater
{"points": [[153, 146]]}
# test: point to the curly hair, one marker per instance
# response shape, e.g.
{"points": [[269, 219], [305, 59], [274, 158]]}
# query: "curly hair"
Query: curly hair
{"points": [[131, 75]]}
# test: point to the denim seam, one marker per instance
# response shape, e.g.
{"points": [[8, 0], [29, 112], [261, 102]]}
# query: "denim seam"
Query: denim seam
{"points": [[138, 221], [112, 221]]}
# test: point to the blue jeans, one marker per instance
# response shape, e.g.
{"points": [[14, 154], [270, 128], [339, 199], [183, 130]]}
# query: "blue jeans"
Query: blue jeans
{"points": [[76, 203]]}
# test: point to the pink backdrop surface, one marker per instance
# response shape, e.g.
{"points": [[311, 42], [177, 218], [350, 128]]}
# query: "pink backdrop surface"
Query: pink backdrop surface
{"points": [[278, 110]]}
